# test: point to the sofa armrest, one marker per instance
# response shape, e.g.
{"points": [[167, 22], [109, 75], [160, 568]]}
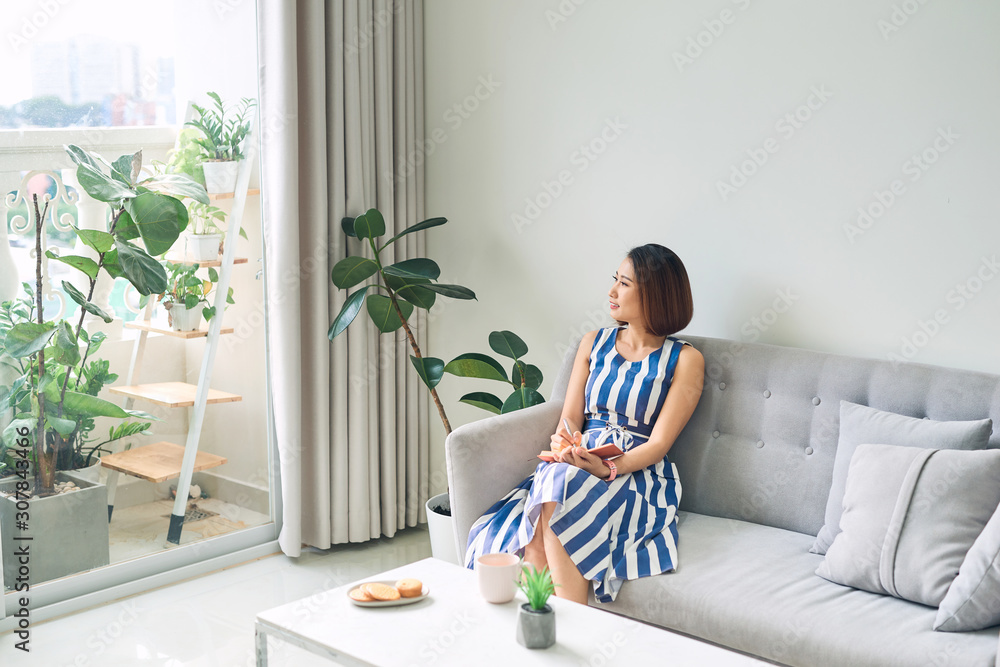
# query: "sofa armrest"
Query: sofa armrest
{"points": [[489, 457]]}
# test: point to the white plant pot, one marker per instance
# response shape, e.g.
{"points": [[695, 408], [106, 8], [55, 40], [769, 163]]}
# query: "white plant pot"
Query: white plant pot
{"points": [[442, 530], [183, 319], [203, 247], [220, 177]]}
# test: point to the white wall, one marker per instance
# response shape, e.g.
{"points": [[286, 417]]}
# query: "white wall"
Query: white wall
{"points": [[884, 85]]}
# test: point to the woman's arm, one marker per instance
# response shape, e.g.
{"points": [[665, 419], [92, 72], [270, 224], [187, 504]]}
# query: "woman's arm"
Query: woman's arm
{"points": [[573, 406], [682, 399]]}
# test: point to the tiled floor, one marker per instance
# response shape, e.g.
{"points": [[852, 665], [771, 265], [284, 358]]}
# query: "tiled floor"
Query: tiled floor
{"points": [[208, 621]]}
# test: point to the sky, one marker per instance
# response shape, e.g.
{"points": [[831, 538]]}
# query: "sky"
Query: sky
{"points": [[31, 24]]}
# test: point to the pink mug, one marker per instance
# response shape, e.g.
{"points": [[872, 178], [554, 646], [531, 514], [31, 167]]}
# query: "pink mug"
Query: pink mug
{"points": [[498, 575]]}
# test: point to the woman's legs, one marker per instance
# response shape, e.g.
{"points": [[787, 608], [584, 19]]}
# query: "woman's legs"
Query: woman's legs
{"points": [[547, 548], [534, 551]]}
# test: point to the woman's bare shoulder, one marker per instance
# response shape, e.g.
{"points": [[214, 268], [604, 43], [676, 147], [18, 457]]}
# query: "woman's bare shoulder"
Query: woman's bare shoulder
{"points": [[588, 340], [690, 358]]}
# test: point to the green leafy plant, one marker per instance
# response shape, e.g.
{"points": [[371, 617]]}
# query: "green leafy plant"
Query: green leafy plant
{"points": [[525, 379], [207, 219], [406, 285], [52, 398], [185, 288], [536, 586], [186, 158], [411, 284], [223, 129]]}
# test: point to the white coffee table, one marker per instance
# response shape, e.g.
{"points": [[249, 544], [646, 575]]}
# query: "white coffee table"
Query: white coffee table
{"points": [[455, 626]]}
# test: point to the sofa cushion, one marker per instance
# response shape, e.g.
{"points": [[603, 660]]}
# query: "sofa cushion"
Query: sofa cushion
{"points": [[752, 588], [973, 601], [860, 424], [910, 517]]}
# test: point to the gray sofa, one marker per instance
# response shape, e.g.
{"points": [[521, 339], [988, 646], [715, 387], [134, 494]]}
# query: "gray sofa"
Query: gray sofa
{"points": [[756, 463]]}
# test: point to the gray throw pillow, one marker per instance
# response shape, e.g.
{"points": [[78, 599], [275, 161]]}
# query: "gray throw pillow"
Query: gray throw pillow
{"points": [[910, 517], [973, 601], [860, 424]]}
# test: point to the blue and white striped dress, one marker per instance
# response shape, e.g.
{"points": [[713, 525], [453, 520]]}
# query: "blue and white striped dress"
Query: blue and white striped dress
{"points": [[614, 531]]}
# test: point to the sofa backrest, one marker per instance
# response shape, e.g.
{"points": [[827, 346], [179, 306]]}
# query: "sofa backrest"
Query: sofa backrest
{"points": [[761, 444]]}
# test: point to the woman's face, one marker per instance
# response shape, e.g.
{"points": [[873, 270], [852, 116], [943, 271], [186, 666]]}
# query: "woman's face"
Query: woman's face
{"points": [[624, 295]]}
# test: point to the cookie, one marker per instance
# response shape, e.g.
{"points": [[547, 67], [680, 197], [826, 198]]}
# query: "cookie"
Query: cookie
{"points": [[381, 592], [360, 596], [409, 588]]}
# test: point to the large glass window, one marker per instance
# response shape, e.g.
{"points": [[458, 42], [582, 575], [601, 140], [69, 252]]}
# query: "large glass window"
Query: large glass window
{"points": [[114, 77]]}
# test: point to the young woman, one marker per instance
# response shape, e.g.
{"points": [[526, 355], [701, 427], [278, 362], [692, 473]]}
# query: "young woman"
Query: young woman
{"points": [[596, 522]]}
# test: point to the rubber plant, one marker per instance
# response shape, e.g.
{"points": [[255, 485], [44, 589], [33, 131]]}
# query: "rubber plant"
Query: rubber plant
{"points": [[400, 288], [50, 398]]}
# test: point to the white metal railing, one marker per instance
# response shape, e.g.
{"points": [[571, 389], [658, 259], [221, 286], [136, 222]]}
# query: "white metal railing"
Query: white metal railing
{"points": [[13, 270]]}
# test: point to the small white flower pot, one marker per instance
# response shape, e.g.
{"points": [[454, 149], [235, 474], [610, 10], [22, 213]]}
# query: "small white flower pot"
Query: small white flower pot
{"points": [[220, 177], [441, 527], [203, 247], [183, 319]]}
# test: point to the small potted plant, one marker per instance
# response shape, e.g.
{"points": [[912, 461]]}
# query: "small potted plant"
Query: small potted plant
{"points": [[204, 242], [224, 131], [206, 232], [536, 620], [185, 291]]}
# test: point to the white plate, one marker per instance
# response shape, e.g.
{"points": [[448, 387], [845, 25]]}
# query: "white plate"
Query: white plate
{"points": [[388, 603]]}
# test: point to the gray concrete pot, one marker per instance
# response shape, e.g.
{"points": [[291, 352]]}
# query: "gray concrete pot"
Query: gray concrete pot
{"points": [[69, 532], [536, 629]]}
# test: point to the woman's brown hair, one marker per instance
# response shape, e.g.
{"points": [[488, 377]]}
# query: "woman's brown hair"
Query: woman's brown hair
{"points": [[664, 288]]}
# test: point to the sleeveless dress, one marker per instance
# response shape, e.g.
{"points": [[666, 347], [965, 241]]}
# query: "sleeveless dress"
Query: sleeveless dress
{"points": [[614, 531]]}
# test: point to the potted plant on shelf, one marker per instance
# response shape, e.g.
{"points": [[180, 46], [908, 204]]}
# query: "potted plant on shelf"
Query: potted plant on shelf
{"points": [[224, 130], [55, 398], [401, 288], [206, 232], [186, 293], [536, 620], [204, 240]]}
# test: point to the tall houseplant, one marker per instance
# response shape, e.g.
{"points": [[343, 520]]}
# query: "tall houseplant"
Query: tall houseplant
{"points": [[411, 284], [398, 290], [50, 397], [224, 130]]}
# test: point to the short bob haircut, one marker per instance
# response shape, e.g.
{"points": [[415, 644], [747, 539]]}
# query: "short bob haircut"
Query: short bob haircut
{"points": [[664, 288]]}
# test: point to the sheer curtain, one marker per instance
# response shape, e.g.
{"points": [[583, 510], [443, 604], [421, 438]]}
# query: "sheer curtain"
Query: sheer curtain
{"points": [[342, 126]]}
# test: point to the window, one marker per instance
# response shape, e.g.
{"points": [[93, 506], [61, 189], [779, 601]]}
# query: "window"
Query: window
{"points": [[114, 76]]}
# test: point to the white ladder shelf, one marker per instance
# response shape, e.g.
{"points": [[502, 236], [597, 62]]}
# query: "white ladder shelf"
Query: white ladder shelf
{"points": [[164, 460]]}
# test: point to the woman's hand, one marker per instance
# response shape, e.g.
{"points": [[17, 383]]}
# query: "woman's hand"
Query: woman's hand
{"points": [[581, 458], [562, 439]]}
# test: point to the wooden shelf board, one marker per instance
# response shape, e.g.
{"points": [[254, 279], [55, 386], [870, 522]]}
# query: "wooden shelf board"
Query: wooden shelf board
{"points": [[146, 325], [230, 195], [173, 394], [157, 462]]}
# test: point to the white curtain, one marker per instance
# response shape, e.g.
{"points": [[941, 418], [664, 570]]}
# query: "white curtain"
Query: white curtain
{"points": [[342, 123]]}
